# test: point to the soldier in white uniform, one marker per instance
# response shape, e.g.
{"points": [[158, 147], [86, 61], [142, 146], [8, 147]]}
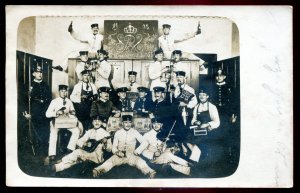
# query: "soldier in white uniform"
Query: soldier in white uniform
{"points": [[157, 152], [59, 107], [83, 94], [90, 147], [103, 70], [157, 70], [167, 41], [124, 144], [93, 40], [133, 85], [83, 65]]}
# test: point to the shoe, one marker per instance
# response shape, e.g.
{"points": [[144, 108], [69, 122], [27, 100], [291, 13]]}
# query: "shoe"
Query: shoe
{"points": [[49, 160], [50, 170], [152, 175], [97, 173], [58, 68]]}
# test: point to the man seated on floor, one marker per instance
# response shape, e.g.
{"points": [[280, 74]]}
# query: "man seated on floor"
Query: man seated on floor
{"points": [[124, 144], [156, 151], [90, 147]]}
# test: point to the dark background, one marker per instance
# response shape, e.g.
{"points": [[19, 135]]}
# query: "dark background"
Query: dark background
{"points": [[154, 2]]}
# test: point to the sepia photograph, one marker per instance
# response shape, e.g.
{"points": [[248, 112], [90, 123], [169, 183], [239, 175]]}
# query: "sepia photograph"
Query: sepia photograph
{"points": [[130, 96]]}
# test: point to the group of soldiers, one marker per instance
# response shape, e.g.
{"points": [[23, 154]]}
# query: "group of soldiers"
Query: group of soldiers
{"points": [[172, 105]]}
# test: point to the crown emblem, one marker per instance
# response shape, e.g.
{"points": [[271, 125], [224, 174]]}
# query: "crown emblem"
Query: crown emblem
{"points": [[130, 29]]}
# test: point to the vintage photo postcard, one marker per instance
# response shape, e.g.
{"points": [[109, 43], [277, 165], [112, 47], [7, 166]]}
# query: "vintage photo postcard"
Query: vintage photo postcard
{"points": [[149, 96]]}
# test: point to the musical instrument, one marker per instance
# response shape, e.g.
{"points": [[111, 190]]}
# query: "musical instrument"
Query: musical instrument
{"points": [[92, 144], [66, 121], [198, 131]]}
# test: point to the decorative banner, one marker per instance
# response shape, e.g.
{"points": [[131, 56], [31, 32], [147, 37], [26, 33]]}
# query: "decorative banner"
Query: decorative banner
{"points": [[130, 39]]}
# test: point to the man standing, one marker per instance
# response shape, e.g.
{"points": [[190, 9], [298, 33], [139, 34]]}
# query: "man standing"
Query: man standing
{"points": [[157, 70], [83, 65], [103, 70], [40, 97], [124, 145], [133, 85], [62, 107], [83, 94], [93, 40], [167, 42]]}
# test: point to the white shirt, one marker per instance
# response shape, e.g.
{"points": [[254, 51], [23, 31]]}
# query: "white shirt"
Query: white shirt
{"points": [[193, 102], [155, 74], [150, 142], [126, 140], [79, 68], [94, 41], [96, 134], [102, 74], [76, 93], [213, 113], [167, 43], [57, 104], [134, 87]]}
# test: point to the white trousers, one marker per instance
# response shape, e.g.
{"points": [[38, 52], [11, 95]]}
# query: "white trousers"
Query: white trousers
{"points": [[53, 139]]}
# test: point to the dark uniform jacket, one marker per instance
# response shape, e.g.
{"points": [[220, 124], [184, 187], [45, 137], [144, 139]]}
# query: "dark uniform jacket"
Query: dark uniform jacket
{"points": [[100, 108], [124, 105]]}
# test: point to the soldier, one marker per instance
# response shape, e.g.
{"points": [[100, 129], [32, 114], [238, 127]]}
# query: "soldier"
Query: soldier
{"points": [[167, 42], [103, 107], [83, 65], [222, 97], [157, 152], [143, 104], [83, 94], [133, 85], [103, 70], [205, 116], [62, 106], [93, 40], [123, 104], [124, 145], [40, 97], [157, 70], [90, 147]]}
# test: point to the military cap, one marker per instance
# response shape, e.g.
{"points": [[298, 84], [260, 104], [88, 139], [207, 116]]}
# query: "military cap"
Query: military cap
{"points": [[94, 25], [166, 26], [221, 72], [142, 89], [158, 51], [85, 72], [126, 118], [122, 89], [177, 52], [83, 53], [62, 87], [204, 89], [156, 120], [132, 73], [104, 52], [103, 89], [99, 117], [159, 89], [180, 73], [37, 68]]}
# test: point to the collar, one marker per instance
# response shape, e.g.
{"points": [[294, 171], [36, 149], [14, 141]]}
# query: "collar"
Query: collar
{"points": [[37, 81], [221, 83], [202, 104], [101, 99]]}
